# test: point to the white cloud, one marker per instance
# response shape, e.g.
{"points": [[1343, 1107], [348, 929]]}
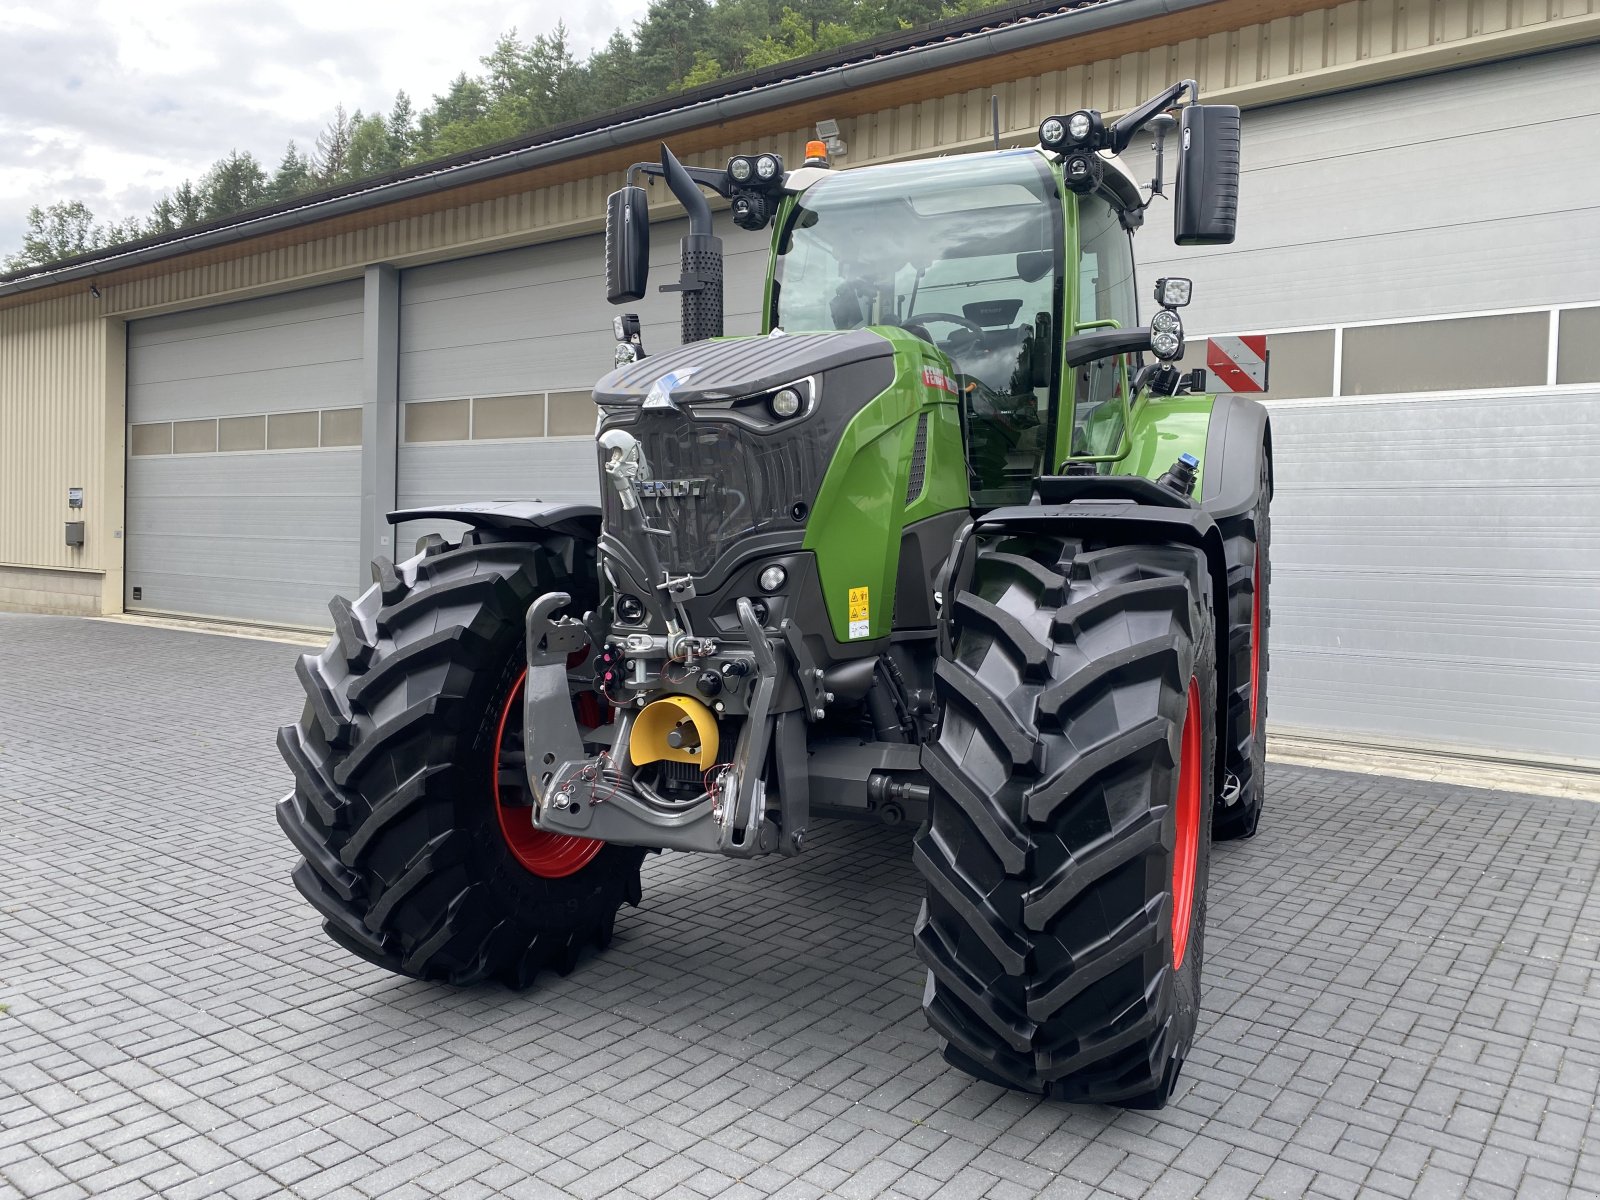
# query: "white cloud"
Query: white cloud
{"points": [[114, 103]]}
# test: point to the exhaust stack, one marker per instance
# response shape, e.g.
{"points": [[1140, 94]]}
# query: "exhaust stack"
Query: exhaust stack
{"points": [[701, 278]]}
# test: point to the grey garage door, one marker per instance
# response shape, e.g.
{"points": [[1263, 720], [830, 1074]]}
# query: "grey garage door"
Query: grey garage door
{"points": [[1437, 524], [244, 458], [498, 354]]}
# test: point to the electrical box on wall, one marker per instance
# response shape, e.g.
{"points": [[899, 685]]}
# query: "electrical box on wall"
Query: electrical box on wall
{"points": [[74, 497], [74, 533]]}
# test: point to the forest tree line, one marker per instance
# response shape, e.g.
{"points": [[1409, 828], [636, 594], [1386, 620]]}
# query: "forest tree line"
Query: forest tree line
{"points": [[523, 85]]}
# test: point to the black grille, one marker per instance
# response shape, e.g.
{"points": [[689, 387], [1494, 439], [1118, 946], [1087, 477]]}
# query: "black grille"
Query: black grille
{"points": [[919, 460], [713, 483]]}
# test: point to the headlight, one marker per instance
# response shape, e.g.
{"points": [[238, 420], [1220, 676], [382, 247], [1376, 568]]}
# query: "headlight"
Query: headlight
{"points": [[1166, 346], [1166, 321], [772, 578], [785, 402], [1079, 126], [766, 166], [739, 168], [1052, 132]]}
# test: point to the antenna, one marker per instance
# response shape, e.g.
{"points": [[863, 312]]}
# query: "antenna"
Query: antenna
{"points": [[994, 116]]}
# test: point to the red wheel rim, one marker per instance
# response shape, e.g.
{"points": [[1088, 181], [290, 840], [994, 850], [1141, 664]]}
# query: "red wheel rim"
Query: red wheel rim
{"points": [[1186, 853], [548, 855], [1255, 645]]}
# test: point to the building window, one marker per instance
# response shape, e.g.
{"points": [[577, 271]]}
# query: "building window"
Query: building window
{"points": [[1462, 353], [292, 431], [194, 437], [507, 417], [155, 438], [341, 427], [572, 414], [1578, 346], [438, 421], [242, 433]]}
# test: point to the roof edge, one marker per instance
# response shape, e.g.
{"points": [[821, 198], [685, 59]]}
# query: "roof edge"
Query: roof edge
{"points": [[882, 59]]}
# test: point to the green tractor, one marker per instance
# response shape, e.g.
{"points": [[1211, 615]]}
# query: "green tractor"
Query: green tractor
{"points": [[940, 546]]}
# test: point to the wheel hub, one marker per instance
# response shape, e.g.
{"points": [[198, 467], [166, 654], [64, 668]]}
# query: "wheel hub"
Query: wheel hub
{"points": [[548, 855]]}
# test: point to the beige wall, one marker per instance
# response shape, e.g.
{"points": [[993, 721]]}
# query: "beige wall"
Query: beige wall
{"points": [[61, 426], [62, 360]]}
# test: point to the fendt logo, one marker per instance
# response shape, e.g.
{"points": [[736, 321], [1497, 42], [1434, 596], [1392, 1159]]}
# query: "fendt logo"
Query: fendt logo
{"points": [[660, 489]]}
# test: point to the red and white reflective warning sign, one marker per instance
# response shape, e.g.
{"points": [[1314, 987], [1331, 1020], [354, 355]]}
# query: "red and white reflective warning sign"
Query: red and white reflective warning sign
{"points": [[1239, 363]]}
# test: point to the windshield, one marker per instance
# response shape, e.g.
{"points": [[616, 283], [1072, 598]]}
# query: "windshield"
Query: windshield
{"points": [[965, 253]]}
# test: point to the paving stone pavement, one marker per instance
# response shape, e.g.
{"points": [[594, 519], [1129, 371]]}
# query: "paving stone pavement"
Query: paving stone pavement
{"points": [[1401, 995]]}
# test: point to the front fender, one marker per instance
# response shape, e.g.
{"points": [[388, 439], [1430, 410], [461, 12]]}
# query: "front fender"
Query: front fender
{"points": [[554, 516], [1239, 433]]}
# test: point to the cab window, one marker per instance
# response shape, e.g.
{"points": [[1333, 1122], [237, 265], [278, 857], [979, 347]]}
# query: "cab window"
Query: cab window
{"points": [[1106, 291]]}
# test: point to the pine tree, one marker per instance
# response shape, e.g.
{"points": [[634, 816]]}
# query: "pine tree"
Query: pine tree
{"points": [[163, 218], [402, 129], [232, 185], [187, 205], [293, 176], [331, 161]]}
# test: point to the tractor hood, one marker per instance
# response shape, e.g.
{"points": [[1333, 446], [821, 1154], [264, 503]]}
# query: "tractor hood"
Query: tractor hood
{"points": [[731, 368]]}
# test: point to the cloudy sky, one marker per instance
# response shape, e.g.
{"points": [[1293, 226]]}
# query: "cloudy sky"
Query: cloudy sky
{"points": [[115, 103]]}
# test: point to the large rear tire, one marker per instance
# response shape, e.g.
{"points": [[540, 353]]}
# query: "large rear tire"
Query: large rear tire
{"points": [[1068, 841], [414, 849], [1247, 542]]}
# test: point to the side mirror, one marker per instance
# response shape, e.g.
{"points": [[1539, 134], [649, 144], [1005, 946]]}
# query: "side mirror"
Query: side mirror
{"points": [[627, 245], [1205, 203], [1039, 351], [1105, 343]]}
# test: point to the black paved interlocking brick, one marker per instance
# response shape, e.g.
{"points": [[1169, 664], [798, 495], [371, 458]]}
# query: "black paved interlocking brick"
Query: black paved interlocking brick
{"points": [[1401, 996]]}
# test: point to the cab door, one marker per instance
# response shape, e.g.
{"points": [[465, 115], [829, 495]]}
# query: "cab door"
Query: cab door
{"points": [[1104, 296]]}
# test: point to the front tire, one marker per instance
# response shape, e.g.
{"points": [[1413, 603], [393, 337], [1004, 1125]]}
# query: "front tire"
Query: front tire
{"points": [[1068, 842], [401, 779]]}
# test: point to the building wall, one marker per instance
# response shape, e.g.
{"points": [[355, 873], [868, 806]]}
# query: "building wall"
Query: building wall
{"points": [[61, 426], [61, 358], [1344, 46]]}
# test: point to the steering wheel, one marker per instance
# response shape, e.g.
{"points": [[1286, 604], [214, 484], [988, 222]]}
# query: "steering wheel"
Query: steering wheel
{"points": [[953, 344], [947, 318]]}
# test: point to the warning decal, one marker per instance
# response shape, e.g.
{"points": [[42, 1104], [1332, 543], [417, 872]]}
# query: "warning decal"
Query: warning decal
{"points": [[860, 612], [1239, 363]]}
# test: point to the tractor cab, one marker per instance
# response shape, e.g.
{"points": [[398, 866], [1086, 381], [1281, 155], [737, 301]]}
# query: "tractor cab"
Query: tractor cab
{"points": [[966, 253]]}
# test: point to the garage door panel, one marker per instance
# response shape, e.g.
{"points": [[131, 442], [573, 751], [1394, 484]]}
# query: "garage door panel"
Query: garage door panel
{"points": [[1384, 276], [557, 469], [1391, 696], [1436, 568], [551, 309], [1408, 113], [307, 344], [1368, 205], [253, 537], [247, 534], [285, 308], [285, 389], [537, 319]]}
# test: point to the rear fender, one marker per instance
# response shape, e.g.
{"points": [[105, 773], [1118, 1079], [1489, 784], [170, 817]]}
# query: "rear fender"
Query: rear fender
{"points": [[1123, 521]]}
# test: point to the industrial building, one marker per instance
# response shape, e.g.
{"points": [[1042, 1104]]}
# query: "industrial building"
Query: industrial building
{"points": [[230, 411]]}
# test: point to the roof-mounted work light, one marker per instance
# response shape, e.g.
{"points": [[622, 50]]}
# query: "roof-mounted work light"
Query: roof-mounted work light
{"points": [[755, 170], [1081, 130]]}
